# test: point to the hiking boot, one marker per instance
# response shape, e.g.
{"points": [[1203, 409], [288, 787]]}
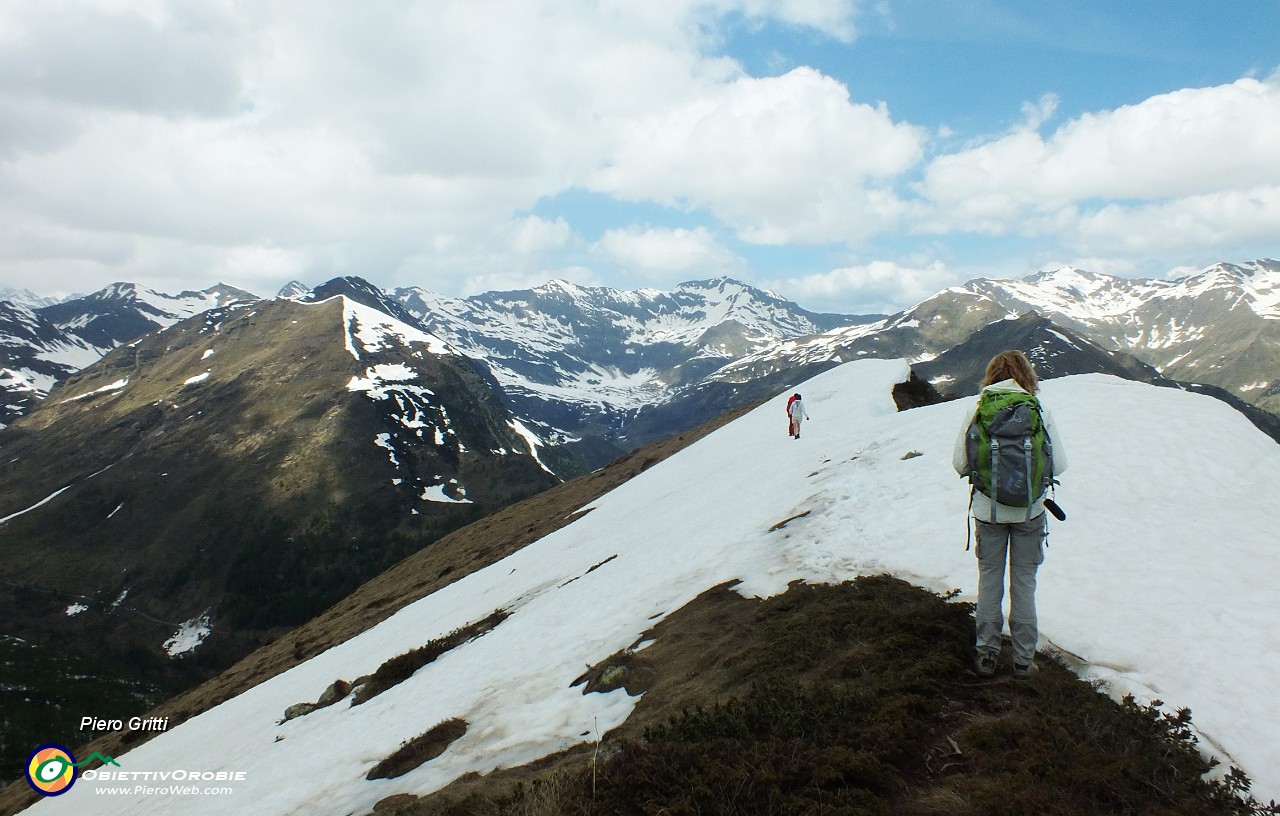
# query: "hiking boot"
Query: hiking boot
{"points": [[1024, 672], [985, 665]]}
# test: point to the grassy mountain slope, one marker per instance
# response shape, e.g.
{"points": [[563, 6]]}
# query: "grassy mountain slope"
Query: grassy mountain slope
{"points": [[222, 472], [849, 699]]}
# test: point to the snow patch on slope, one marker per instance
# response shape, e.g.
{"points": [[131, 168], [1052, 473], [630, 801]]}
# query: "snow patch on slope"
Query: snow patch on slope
{"points": [[375, 379], [115, 386], [597, 385], [435, 493], [190, 634], [533, 442], [369, 330], [55, 494]]}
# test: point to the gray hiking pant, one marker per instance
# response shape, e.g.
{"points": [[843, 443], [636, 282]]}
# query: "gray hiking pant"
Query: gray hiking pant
{"points": [[1022, 546]]}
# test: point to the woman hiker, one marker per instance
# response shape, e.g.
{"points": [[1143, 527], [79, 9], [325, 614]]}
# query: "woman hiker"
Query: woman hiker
{"points": [[1009, 534]]}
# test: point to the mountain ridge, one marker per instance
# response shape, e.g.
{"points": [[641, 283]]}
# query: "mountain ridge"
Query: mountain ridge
{"points": [[1220, 326], [577, 360]]}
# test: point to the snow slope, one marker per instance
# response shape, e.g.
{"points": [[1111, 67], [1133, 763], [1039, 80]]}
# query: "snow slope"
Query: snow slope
{"points": [[1160, 581]]}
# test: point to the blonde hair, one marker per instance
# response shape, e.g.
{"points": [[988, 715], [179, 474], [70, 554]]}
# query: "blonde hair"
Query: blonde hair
{"points": [[1012, 365]]}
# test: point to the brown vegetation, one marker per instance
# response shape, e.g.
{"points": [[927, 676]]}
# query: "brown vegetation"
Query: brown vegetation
{"points": [[419, 750], [850, 699]]}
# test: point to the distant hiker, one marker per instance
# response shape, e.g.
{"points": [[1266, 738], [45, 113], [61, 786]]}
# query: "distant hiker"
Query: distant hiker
{"points": [[795, 415], [1011, 452]]}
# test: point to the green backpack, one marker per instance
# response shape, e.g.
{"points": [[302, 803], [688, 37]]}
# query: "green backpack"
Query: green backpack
{"points": [[1009, 456]]}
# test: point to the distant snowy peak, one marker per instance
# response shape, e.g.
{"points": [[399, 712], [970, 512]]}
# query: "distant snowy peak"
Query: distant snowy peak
{"points": [[679, 316], [1084, 295], [1068, 292], [26, 298], [34, 356], [294, 290], [609, 352], [168, 309], [1256, 283], [1217, 326], [124, 311]]}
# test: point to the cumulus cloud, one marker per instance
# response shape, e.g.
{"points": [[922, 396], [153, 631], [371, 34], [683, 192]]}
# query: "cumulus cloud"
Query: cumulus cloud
{"points": [[665, 256], [265, 263], [779, 159], [878, 286], [534, 236], [402, 137], [1184, 225], [170, 59], [1200, 152], [1035, 114]]}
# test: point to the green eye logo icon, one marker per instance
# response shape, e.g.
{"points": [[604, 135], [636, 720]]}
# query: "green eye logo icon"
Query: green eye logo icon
{"points": [[51, 770]]}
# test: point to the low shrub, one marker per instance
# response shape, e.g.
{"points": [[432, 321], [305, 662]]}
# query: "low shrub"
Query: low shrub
{"points": [[401, 667], [419, 750]]}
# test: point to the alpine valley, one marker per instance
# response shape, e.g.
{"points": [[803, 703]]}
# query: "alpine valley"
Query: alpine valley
{"points": [[189, 477]]}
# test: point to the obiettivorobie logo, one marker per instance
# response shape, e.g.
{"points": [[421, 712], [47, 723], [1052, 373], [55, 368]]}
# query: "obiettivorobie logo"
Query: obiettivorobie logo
{"points": [[51, 769]]}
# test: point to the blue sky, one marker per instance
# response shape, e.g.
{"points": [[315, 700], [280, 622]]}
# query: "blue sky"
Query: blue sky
{"points": [[853, 156]]}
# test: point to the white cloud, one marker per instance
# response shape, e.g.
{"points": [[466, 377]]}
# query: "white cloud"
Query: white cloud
{"points": [[1035, 114], [834, 18], [779, 159], [534, 236], [514, 254], [1192, 142], [660, 254], [263, 264], [384, 139], [878, 286], [171, 59], [1182, 226]]}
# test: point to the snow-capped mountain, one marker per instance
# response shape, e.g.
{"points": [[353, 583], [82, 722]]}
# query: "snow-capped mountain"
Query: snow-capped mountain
{"points": [[1055, 351], [867, 490], [586, 359], [1058, 352], [35, 354], [608, 370], [27, 298], [1220, 326], [235, 474], [42, 345], [617, 368], [122, 312], [294, 290]]}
